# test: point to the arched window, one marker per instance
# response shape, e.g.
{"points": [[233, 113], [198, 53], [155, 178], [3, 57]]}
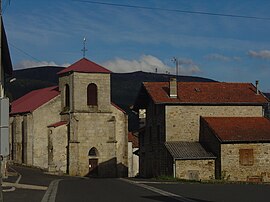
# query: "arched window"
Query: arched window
{"points": [[92, 94], [93, 152], [67, 97]]}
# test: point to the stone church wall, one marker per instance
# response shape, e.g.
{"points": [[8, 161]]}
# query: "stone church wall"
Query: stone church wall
{"points": [[57, 149], [121, 131], [42, 117], [107, 132]]}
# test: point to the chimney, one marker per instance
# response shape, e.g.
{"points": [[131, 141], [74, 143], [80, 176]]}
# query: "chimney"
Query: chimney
{"points": [[173, 88], [257, 87]]}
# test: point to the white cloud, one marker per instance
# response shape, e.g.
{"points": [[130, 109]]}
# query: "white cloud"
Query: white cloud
{"points": [[263, 54], [29, 64], [149, 63], [220, 57]]}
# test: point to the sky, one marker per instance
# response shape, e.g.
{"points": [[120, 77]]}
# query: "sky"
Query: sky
{"points": [[127, 39]]}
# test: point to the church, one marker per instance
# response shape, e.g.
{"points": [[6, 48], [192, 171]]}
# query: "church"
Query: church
{"points": [[72, 128]]}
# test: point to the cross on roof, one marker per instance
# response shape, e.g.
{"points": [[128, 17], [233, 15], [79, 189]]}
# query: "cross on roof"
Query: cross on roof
{"points": [[84, 47]]}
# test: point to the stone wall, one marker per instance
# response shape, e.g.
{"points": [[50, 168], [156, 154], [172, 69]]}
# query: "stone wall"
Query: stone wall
{"points": [[195, 169], [57, 137], [44, 116], [232, 170], [78, 83], [182, 122], [121, 135], [107, 132]]}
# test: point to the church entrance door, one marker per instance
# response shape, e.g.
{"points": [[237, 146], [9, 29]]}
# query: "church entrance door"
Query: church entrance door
{"points": [[93, 167]]}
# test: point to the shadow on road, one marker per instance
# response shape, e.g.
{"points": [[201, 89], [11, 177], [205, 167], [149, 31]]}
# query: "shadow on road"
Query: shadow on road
{"points": [[170, 199]]}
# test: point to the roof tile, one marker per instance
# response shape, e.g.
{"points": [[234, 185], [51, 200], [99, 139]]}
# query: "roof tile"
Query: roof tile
{"points": [[205, 92], [240, 129], [33, 100], [86, 66]]}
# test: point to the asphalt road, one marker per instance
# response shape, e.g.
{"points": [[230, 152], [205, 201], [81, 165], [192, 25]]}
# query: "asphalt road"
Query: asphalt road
{"points": [[66, 189], [103, 190]]}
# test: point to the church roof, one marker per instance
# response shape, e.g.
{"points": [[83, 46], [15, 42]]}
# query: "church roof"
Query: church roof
{"points": [[36, 98], [86, 66], [33, 100]]}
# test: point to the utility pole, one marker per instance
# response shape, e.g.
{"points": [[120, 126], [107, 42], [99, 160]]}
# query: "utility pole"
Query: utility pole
{"points": [[176, 61]]}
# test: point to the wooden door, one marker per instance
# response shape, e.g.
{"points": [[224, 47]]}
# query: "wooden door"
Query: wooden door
{"points": [[93, 167]]}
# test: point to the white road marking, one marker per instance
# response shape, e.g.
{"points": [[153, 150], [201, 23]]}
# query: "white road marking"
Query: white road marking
{"points": [[159, 191], [24, 186], [51, 192]]}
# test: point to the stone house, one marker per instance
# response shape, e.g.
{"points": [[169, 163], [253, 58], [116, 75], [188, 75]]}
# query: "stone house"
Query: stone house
{"points": [[169, 142], [72, 128], [241, 145]]}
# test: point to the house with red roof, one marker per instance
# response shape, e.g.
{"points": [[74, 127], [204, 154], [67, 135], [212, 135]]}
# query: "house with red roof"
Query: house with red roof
{"points": [[241, 145], [203, 130], [72, 128]]}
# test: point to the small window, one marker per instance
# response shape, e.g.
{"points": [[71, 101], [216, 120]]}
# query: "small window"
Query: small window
{"points": [[246, 157], [92, 94], [67, 97]]}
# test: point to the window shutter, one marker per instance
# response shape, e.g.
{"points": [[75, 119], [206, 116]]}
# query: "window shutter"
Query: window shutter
{"points": [[246, 157]]}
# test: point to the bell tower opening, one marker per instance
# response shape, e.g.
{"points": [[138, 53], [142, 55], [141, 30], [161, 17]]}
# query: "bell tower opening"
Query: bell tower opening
{"points": [[92, 95]]}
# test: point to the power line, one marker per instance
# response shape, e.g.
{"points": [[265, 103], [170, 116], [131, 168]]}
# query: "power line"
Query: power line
{"points": [[24, 52], [174, 10]]}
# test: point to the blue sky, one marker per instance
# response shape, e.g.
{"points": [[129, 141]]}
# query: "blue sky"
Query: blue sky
{"points": [[128, 39]]}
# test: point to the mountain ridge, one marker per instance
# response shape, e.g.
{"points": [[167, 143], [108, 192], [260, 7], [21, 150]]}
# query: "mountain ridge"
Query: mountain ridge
{"points": [[124, 86]]}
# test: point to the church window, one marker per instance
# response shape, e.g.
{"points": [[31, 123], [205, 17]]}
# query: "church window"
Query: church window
{"points": [[92, 94], [93, 152], [67, 97]]}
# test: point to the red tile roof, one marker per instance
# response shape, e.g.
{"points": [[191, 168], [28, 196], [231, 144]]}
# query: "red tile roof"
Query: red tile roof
{"points": [[57, 124], [86, 66], [134, 139], [240, 129], [33, 100], [205, 92]]}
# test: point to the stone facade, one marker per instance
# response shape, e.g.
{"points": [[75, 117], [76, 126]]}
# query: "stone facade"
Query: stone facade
{"points": [[177, 119], [232, 170], [228, 164], [183, 122], [57, 152], [29, 139], [195, 169], [178, 123], [68, 147]]}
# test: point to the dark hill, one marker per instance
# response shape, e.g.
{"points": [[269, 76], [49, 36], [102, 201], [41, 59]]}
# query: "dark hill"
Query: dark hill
{"points": [[125, 86]]}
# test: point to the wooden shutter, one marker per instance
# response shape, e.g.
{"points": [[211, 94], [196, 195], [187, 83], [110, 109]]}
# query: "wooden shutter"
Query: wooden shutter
{"points": [[246, 157]]}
